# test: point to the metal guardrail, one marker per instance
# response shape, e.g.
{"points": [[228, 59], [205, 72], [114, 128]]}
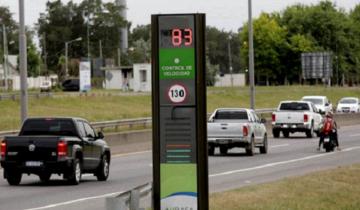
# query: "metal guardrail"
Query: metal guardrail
{"points": [[16, 96], [129, 123], [130, 199]]}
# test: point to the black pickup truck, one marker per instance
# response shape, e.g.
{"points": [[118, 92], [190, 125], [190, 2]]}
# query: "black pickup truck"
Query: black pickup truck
{"points": [[46, 146]]}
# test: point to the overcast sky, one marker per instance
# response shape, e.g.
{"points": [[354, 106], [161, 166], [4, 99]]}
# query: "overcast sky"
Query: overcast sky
{"points": [[223, 14]]}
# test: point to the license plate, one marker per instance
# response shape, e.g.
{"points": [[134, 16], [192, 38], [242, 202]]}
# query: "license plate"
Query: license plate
{"points": [[33, 163], [326, 139], [223, 141], [293, 126], [285, 126]]}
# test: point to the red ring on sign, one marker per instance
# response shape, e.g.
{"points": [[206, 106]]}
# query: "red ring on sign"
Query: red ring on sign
{"points": [[185, 97]]}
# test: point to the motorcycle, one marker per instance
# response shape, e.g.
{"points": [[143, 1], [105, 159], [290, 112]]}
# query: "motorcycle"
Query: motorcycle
{"points": [[329, 143]]}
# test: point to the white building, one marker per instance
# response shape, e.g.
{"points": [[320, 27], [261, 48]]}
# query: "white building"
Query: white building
{"points": [[225, 81], [118, 78], [136, 78], [142, 77]]}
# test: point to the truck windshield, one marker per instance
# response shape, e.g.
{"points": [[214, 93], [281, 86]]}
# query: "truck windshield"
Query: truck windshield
{"points": [[314, 100], [49, 127], [231, 115], [294, 106]]}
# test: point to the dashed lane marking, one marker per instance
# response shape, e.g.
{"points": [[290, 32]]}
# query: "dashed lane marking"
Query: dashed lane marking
{"points": [[269, 165]]}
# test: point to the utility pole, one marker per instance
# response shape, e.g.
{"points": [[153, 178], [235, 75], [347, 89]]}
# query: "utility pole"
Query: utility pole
{"points": [[230, 63], [23, 63], [100, 49], [66, 60], [45, 55], [6, 66], [119, 56], [251, 59]]}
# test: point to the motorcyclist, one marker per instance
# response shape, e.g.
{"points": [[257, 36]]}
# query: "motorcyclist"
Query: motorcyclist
{"points": [[329, 125]]}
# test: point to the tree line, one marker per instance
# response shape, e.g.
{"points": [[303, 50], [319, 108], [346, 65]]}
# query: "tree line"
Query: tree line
{"points": [[279, 40]]}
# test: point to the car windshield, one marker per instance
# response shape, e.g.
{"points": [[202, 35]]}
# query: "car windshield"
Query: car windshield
{"points": [[49, 127], [316, 101], [348, 101], [294, 106], [231, 115]]}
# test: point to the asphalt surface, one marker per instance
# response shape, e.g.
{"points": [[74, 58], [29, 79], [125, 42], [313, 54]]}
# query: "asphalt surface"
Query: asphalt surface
{"points": [[294, 156]]}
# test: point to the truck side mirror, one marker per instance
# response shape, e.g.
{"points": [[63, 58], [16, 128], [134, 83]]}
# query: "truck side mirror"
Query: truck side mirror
{"points": [[100, 135]]}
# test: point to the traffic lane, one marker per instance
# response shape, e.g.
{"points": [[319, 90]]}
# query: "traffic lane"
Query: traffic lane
{"points": [[300, 157], [126, 173], [280, 149], [130, 171], [284, 169]]}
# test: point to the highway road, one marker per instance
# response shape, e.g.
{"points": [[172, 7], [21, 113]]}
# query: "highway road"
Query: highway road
{"points": [[287, 157]]}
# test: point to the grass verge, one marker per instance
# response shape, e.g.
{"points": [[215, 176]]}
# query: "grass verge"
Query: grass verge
{"points": [[327, 190], [102, 107]]}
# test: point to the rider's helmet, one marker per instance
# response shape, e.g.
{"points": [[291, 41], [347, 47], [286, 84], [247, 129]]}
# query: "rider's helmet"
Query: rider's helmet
{"points": [[329, 114]]}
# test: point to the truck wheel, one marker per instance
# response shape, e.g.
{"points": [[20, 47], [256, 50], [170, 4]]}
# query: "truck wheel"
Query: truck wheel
{"points": [[286, 134], [223, 150], [250, 149], [264, 148], [310, 132], [13, 177], [75, 174], [211, 150], [44, 177], [103, 170], [276, 133]]}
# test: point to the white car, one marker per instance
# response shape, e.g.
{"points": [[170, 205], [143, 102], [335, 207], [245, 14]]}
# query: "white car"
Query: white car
{"points": [[236, 127], [296, 116], [45, 86], [348, 105], [322, 103]]}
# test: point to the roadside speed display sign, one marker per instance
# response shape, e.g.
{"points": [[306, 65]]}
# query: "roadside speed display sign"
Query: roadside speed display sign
{"points": [[180, 166]]}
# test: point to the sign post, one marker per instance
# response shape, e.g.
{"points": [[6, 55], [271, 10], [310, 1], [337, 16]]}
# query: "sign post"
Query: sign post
{"points": [[180, 164], [85, 76]]}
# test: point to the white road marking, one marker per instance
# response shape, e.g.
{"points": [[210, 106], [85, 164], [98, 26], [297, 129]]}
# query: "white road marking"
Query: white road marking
{"points": [[212, 175], [355, 135], [280, 145], [269, 165], [74, 201]]}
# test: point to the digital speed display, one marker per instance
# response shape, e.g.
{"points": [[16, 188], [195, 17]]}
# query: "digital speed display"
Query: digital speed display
{"points": [[177, 32]]}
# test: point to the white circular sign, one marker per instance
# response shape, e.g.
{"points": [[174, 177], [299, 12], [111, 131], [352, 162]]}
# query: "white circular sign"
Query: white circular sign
{"points": [[177, 93]]}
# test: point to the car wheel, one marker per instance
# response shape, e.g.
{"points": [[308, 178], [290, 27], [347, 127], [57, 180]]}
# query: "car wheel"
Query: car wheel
{"points": [[13, 177], [286, 134], [223, 150], [310, 132], [250, 149], [75, 173], [104, 169], [264, 148], [44, 177], [276, 133], [211, 150]]}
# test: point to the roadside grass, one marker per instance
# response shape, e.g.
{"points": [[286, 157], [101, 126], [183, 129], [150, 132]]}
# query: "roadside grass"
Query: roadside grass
{"points": [[327, 190], [106, 105]]}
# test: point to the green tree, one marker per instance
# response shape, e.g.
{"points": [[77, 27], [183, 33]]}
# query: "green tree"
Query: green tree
{"points": [[269, 39]]}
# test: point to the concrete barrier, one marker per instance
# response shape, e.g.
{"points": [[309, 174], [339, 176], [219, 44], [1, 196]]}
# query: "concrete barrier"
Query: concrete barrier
{"points": [[136, 141]]}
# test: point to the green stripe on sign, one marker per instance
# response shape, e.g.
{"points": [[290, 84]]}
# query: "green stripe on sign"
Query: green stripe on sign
{"points": [[176, 178], [178, 156], [178, 150], [177, 63]]}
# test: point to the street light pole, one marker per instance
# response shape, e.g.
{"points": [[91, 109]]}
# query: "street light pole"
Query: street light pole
{"points": [[23, 63], [6, 71], [230, 63], [66, 60], [251, 59]]}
